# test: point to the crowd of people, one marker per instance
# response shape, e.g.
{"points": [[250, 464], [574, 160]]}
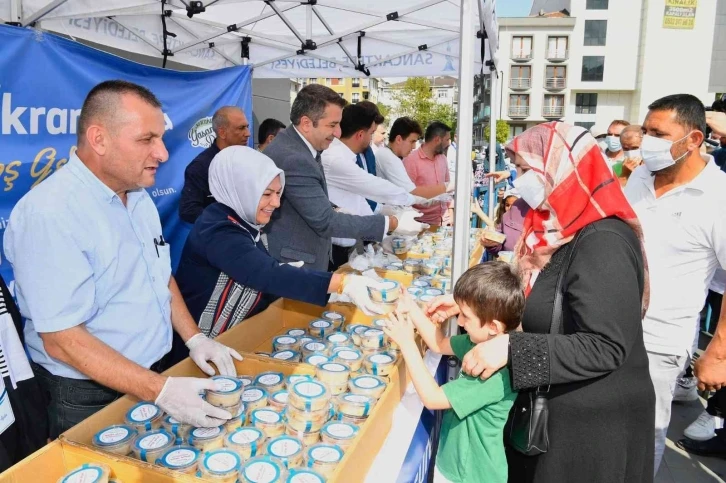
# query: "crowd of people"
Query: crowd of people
{"points": [[616, 237]]}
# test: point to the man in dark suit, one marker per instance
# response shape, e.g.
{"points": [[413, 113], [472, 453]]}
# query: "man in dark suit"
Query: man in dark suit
{"points": [[302, 228], [231, 128]]}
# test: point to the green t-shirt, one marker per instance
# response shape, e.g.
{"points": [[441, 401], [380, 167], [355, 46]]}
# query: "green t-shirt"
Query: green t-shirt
{"points": [[471, 446]]}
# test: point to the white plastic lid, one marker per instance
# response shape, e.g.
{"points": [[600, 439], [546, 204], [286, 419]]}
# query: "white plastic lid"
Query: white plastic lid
{"points": [[373, 333], [284, 355], [266, 416], [332, 315], [381, 359], [252, 395], [326, 454], [179, 458], [316, 359], [314, 346], [308, 389], [366, 382], [113, 435], [221, 461], [270, 379], [245, 436], [143, 412], [280, 397], [284, 446], [348, 355], [261, 471], [333, 367], [387, 285], [341, 430], [321, 324], [356, 398], [153, 441], [206, 433], [284, 339], [338, 337], [305, 476], [227, 384], [296, 332]]}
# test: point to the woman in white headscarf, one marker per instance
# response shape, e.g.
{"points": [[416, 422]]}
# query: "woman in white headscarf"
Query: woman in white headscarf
{"points": [[226, 274]]}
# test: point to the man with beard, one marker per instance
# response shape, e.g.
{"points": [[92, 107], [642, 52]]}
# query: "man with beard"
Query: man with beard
{"points": [[428, 165]]}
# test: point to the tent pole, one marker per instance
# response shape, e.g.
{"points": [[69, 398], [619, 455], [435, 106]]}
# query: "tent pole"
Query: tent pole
{"points": [[460, 257], [492, 137], [15, 10], [309, 19], [42, 12]]}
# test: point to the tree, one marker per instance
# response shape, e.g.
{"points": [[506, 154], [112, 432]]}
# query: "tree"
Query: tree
{"points": [[415, 99], [502, 131], [385, 111]]}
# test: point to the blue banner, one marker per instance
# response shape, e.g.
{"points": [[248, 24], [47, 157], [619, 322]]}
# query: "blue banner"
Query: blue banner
{"points": [[43, 82]]}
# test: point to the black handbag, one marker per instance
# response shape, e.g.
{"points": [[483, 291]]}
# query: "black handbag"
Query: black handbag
{"points": [[526, 428]]}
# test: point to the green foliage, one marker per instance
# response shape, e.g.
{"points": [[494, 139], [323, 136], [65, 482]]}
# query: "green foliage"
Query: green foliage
{"points": [[416, 100], [385, 111], [502, 131]]}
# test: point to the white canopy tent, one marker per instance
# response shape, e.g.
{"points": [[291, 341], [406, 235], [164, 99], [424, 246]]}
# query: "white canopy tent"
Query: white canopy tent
{"points": [[301, 38]]}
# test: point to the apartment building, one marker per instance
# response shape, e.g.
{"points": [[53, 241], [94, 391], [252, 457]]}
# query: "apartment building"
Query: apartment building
{"points": [[353, 89], [593, 61]]}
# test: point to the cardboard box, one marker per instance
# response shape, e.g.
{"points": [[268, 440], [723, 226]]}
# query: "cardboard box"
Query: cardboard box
{"points": [[52, 462], [254, 334]]}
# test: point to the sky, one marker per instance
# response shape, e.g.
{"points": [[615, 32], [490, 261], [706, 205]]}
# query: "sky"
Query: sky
{"points": [[513, 8]]}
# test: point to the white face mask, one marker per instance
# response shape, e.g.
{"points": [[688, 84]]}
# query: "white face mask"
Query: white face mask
{"points": [[632, 154], [531, 187], [656, 152]]}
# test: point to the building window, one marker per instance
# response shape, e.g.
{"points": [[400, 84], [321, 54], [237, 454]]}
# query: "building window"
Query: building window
{"points": [[521, 77], [356, 81], [442, 93], [555, 77], [586, 103], [515, 130], [366, 95], [593, 68], [595, 32], [586, 125], [521, 48], [335, 81], [557, 48], [327, 81], [597, 5], [312, 80], [553, 106], [518, 105], [356, 97]]}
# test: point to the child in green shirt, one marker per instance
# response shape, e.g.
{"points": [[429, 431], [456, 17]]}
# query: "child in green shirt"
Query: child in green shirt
{"points": [[489, 301]]}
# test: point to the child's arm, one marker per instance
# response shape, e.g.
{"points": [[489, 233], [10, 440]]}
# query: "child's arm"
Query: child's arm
{"points": [[400, 329], [432, 334]]}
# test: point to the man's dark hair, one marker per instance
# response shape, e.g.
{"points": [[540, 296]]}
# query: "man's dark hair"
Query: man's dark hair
{"points": [[404, 127], [268, 127], [357, 117], [311, 101], [493, 291], [102, 102], [436, 129], [689, 110], [620, 122]]}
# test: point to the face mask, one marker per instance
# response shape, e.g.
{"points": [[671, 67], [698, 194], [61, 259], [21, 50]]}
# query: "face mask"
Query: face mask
{"points": [[613, 143], [656, 152], [632, 154], [531, 188]]}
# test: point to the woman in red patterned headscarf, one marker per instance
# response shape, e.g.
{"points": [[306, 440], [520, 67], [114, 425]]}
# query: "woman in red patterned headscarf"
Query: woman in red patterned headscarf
{"points": [[601, 401]]}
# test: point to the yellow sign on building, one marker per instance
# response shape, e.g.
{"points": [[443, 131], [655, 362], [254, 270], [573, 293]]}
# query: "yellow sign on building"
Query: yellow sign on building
{"points": [[680, 14]]}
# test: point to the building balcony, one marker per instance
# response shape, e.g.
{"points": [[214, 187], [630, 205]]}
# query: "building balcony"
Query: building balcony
{"points": [[555, 83], [522, 55], [518, 111], [553, 111], [520, 83], [558, 55]]}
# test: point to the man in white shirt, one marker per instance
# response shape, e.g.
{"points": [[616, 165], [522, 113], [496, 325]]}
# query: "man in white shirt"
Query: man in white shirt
{"points": [[349, 182], [451, 156], [402, 139], [678, 195]]}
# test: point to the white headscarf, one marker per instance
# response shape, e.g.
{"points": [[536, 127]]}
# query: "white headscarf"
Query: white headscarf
{"points": [[238, 176]]}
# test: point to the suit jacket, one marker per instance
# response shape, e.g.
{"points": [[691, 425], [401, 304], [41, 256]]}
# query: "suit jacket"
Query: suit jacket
{"points": [[302, 227]]}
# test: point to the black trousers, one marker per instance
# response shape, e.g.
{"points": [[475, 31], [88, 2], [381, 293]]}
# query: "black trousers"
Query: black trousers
{"points": [[340, 257]]}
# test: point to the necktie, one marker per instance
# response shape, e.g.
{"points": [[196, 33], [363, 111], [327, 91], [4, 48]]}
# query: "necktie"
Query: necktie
{"points": [[318, 158], [359, 162]]}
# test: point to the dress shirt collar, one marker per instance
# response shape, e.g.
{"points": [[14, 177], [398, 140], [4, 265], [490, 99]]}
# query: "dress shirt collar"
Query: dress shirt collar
{"points": [[313, 151], [703, 182]]}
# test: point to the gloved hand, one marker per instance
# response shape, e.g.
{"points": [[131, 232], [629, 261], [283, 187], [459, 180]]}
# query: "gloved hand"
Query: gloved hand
{"points": [[180, 398], [388, 210], [356, 287], [421, 201], [451, 186], [203, 349], [295, 264], [387, 243], [407, 225]]}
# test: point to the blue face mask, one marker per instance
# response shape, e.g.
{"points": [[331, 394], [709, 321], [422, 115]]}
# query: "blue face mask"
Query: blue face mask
{"points": [[613, 143]]}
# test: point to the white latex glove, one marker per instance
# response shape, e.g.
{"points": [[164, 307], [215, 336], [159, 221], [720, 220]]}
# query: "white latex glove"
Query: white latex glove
{"points": [[356, 287], [407, 225], [421, 201], [295, 264], [180, 398], [203, 349], [388, 210], [451, 186]]}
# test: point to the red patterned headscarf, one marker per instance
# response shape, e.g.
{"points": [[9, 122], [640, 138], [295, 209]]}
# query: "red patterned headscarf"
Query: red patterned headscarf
{"points": [[580, 189]]}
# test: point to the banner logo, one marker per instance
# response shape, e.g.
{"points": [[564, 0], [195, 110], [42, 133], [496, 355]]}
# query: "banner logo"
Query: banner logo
{"points": [[201, 134]]}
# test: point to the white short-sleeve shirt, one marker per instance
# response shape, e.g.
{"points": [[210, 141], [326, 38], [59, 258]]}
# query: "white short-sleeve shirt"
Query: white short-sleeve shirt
{"points": [[685, 242]]}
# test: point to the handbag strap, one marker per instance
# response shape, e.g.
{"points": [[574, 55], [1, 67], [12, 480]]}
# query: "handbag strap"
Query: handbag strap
{"points": [[556, 323]]}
